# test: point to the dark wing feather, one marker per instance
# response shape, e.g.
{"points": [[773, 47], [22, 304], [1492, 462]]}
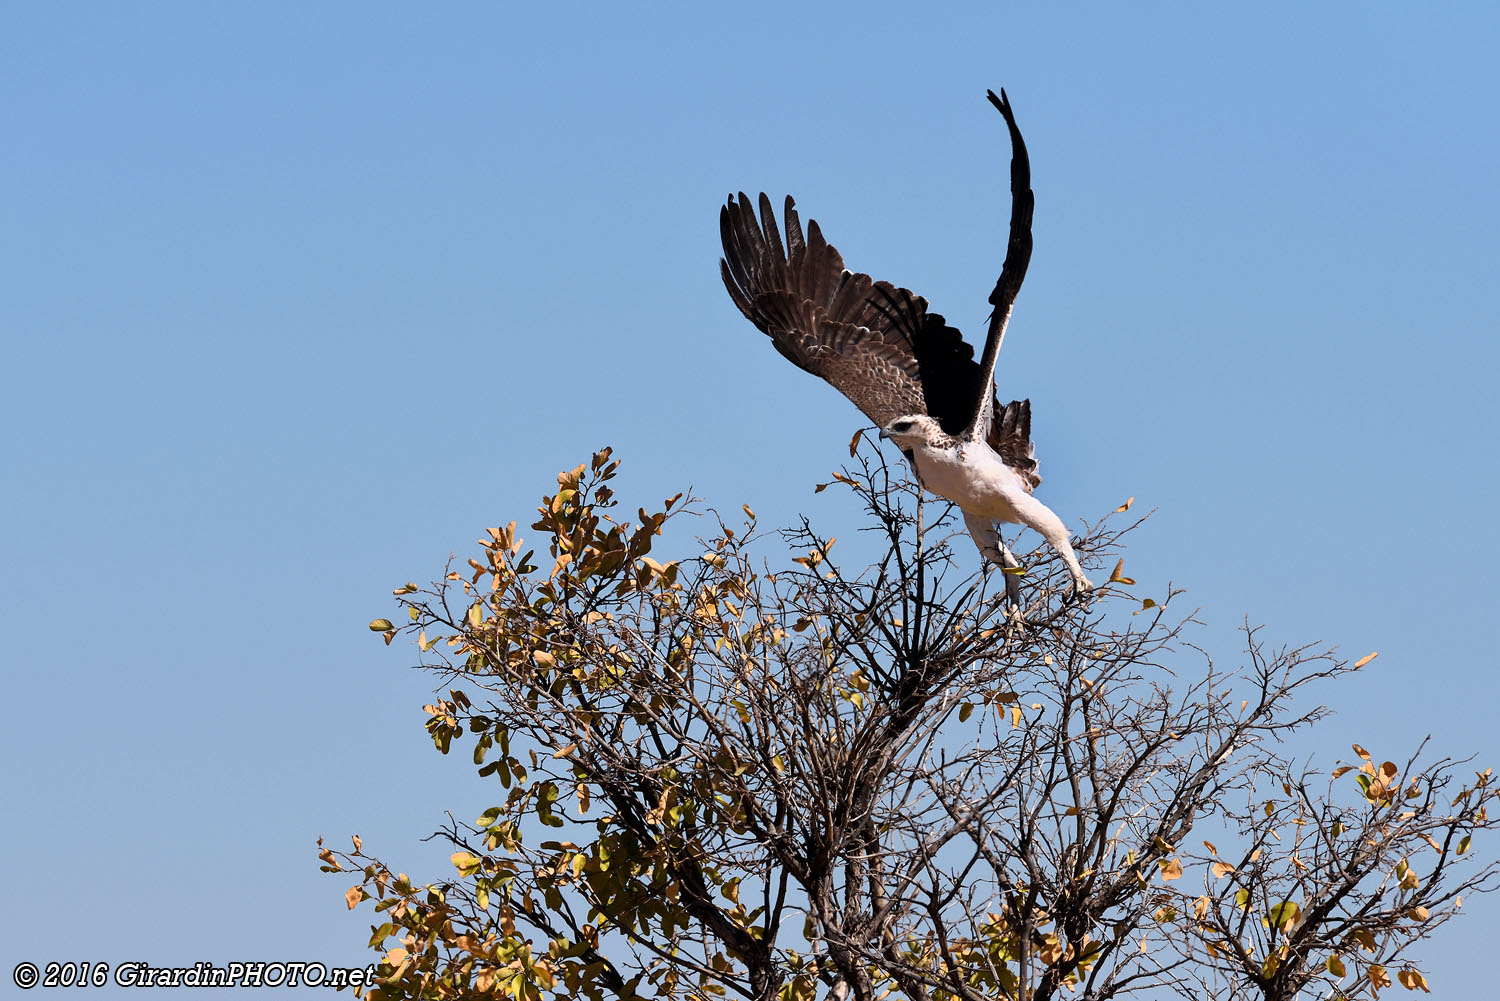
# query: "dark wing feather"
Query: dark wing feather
{"points": [[1010, 435], [875, 343], [946, 369], [1012, 272]]}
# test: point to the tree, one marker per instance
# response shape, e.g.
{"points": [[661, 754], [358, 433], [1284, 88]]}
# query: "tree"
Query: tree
{"points": [[719, 778]]}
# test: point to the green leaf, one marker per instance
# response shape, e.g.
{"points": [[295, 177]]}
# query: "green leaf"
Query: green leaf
{"points": [[1284, 915]]}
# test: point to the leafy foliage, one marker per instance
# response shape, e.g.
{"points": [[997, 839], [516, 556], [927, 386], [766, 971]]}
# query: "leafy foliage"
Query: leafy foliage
{"points": [[718, 778]]}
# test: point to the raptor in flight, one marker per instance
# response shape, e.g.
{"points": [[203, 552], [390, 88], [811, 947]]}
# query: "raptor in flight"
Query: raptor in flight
{"points": [[903, 366]]}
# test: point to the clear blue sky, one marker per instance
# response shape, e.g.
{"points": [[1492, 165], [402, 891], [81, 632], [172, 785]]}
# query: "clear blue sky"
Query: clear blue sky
{"points": [[296, 300]]}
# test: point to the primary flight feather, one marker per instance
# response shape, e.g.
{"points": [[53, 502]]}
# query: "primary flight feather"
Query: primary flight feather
{"points": [[903, 366]]}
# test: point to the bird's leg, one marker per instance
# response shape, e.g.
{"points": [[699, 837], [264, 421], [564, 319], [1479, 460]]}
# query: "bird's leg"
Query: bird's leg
{"points": [[1039, 517], [992, 547]]}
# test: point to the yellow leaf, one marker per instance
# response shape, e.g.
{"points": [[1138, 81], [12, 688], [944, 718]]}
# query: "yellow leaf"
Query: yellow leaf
{"points": [[1125, 507], [655, 567], [965, 711], [563, 752], [1366, 658], [1335, 965], [1377, 975], [1210, 846], [1015, 717], [1412, 980], [1117, 576], [748, 513], [381, 625], [1361, 752], [854, 442], [354, 896], [1222, 869], [1170, 869]]}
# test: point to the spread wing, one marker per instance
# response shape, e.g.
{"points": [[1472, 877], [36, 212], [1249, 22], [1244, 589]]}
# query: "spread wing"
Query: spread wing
{"points": [[875, 343], [823, 318], [1012, 272]]}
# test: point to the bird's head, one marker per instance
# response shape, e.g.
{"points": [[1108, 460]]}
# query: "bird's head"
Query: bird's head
{"points": [[913, 430]]}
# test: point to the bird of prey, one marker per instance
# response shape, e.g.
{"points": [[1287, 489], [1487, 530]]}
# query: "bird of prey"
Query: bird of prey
{"points": [[903, 366]]}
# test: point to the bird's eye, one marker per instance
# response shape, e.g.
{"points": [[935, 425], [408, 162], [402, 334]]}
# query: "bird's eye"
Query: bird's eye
{"points": [[902, 425]]}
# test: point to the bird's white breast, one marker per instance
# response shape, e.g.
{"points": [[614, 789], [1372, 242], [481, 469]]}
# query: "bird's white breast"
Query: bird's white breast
{"points": [[973, 477]]}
